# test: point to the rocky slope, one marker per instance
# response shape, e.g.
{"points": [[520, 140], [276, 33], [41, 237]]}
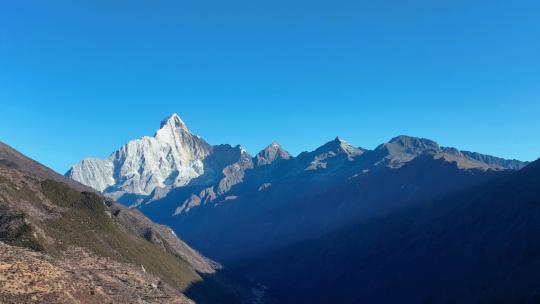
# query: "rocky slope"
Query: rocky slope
{"points": [[94, 250], [28, 276]]}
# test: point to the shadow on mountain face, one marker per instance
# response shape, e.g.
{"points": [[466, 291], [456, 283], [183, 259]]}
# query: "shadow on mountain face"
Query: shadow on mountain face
{"points": [[478, 246], [292, 210]]}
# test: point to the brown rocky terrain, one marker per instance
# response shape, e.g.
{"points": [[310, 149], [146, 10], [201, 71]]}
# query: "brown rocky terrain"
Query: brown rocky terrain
{"points": [[28, 276]]}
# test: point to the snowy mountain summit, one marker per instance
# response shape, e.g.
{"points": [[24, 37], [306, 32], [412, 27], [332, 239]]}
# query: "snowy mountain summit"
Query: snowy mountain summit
{"points": [[171, 158]]}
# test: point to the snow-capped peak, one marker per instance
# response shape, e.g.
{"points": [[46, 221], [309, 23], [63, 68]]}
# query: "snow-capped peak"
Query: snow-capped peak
{"points": [[173, 121], [173, 131], [172, 157]]}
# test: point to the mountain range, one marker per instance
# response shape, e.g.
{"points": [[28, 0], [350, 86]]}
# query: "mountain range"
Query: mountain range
{"points": [[148, 168], [259, 215]]}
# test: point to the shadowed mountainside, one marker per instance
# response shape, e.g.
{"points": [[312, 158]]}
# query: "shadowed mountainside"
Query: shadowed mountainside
{"points": [[474, 246], [313, 194]]}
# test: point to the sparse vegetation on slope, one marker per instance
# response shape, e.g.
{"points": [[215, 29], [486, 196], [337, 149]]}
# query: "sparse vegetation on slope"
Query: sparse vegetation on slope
{"points": [[88, 224]]}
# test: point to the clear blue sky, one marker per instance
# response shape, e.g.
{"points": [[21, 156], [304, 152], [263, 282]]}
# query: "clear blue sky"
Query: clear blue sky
{"points": [[81, 78]]}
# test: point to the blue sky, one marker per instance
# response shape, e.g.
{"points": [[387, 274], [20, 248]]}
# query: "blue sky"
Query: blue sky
{"points": [[81, 78]]}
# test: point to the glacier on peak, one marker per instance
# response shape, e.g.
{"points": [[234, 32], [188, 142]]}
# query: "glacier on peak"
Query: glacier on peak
{"points": [[171, 158]]}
